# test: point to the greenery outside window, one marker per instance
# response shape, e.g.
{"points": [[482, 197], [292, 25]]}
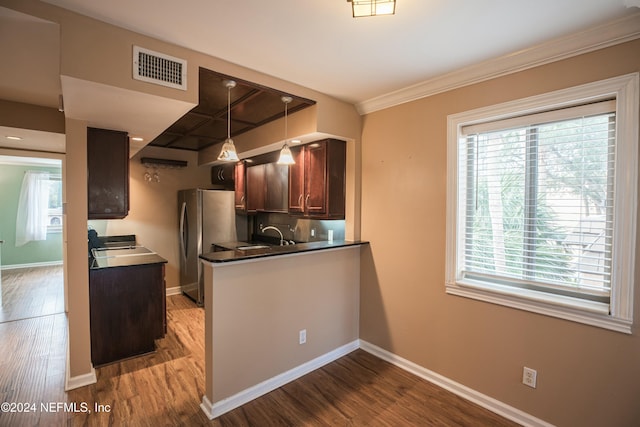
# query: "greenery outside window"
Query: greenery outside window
{"points": [[541, 203]]}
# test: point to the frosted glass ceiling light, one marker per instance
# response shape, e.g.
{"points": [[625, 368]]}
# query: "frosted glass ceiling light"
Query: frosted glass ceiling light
{"points": [[228, 152], [285, 153], [362, 8]]}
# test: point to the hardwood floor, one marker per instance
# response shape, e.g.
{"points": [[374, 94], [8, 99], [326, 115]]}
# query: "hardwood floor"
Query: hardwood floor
{"points": [[165, 388], [31, 292]]}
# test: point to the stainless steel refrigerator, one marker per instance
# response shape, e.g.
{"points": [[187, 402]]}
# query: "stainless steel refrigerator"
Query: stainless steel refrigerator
{"points": [[206, 217]]}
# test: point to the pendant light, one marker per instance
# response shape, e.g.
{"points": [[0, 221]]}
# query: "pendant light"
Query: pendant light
{"points": [[228, 152], [286, 158]]}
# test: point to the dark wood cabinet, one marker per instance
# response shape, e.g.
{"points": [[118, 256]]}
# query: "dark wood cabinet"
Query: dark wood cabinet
{"points": [[108, 174], [223, 175], [317, 180], [255, 188], [240, 186], [266, 188], [127, 311], [276, 187]]}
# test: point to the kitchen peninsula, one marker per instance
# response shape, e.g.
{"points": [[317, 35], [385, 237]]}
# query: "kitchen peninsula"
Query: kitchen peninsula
{"points": [[273, 314]]}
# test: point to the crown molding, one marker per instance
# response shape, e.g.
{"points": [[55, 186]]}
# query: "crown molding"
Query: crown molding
{"points": [[609, 34]]}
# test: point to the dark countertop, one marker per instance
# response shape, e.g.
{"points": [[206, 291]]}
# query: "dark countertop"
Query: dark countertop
{"points": [[235, 254], [124, 257]]}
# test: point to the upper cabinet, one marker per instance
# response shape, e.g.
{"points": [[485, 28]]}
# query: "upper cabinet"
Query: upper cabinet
{"points": [[276, 187], [108, 173], [317, 179], [223, 175], [266, 188], [240, 186], [261, 184], [255, 188]]}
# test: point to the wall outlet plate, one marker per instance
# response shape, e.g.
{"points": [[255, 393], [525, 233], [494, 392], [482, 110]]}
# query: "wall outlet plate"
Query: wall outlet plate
{"points": [[529, 377], [302, 337]]}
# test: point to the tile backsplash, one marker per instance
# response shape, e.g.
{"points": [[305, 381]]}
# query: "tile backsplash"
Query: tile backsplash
{"points": [[297, 228]]}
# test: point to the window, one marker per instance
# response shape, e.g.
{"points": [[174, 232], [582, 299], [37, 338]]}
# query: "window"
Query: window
{"points": [[54, 212], [541, 203]]}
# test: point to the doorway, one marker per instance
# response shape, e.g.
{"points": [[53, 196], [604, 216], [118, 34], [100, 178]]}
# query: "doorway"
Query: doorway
{"points": [[31, 231]]}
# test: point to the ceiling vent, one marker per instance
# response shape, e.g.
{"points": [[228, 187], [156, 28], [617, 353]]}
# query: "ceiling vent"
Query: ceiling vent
{"points": [[158, 68]]}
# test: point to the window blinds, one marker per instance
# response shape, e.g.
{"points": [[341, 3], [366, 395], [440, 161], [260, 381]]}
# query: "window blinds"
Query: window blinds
{"points": [[537, 192]]}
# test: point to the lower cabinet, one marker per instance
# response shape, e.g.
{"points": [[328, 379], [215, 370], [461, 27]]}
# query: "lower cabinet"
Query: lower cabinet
{"points": [[128, 311]]}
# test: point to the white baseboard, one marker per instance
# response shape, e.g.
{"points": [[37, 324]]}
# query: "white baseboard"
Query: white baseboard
{"points": [[71, 383], [463, 391], [176, 290], [80, 380], [213, 410], [31, 265]]}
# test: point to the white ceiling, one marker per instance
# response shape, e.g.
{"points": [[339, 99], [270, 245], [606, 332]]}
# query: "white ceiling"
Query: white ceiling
{"points": [[314, 43], [317, 43]]}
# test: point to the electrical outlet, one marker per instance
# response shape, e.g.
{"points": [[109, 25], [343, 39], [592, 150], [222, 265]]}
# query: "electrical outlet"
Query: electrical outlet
{"points": [[529, 377], [302, 337]]}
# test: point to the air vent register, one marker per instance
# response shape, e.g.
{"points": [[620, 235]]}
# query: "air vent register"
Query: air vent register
{"points": [[158, 68]]}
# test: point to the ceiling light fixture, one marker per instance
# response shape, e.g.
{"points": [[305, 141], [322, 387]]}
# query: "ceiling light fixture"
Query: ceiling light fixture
{"points": [[228, 152], [285, 153], [362, 8], [14, 138]]}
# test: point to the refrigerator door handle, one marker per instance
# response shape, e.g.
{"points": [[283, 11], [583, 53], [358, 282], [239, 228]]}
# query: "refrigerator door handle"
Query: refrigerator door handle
{"points": [[183, 234]]}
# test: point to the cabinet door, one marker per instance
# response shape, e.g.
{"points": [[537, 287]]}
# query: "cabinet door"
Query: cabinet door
{"points": [[255, 188], [296, 181], [315, 201], [127, 309], [108, 174], [240, 187], [277, 185], [223, 175]]}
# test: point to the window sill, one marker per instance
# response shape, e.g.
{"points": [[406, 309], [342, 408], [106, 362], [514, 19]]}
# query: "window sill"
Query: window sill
{"points": [[567, 308]]}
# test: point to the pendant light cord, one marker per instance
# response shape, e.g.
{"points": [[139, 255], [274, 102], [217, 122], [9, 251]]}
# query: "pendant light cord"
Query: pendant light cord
{"points": [[229, 112], [285, 122]]}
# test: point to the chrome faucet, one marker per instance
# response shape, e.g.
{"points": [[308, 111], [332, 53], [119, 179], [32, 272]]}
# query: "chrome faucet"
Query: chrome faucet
{"points": [[271, 227]]}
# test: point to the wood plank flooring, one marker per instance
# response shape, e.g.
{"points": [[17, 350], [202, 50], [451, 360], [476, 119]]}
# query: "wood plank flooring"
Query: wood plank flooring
{"points": [[165, 388], [31, 292]]}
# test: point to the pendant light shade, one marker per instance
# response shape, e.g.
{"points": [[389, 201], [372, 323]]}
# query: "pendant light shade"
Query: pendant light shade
{"points": [[228, 152], [285, 153]]}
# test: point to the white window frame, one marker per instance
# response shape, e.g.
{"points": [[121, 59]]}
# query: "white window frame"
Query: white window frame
{"points": [[618, 314]]}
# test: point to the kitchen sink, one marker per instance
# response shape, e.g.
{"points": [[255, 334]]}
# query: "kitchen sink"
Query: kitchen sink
{"points": [[249, 247]]}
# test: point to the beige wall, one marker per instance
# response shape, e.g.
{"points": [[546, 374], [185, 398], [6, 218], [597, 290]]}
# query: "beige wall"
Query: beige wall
{"points": [[27, 116], [75, 224], [586, 376], [153, 214], [252, 325]]}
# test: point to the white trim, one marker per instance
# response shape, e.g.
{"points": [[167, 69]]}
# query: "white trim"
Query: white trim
{"points": [[487, 402], [176, 290], [31, 265], [626, 91], [71, 383], [559, 309], [599, 37], [218, 408]]}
